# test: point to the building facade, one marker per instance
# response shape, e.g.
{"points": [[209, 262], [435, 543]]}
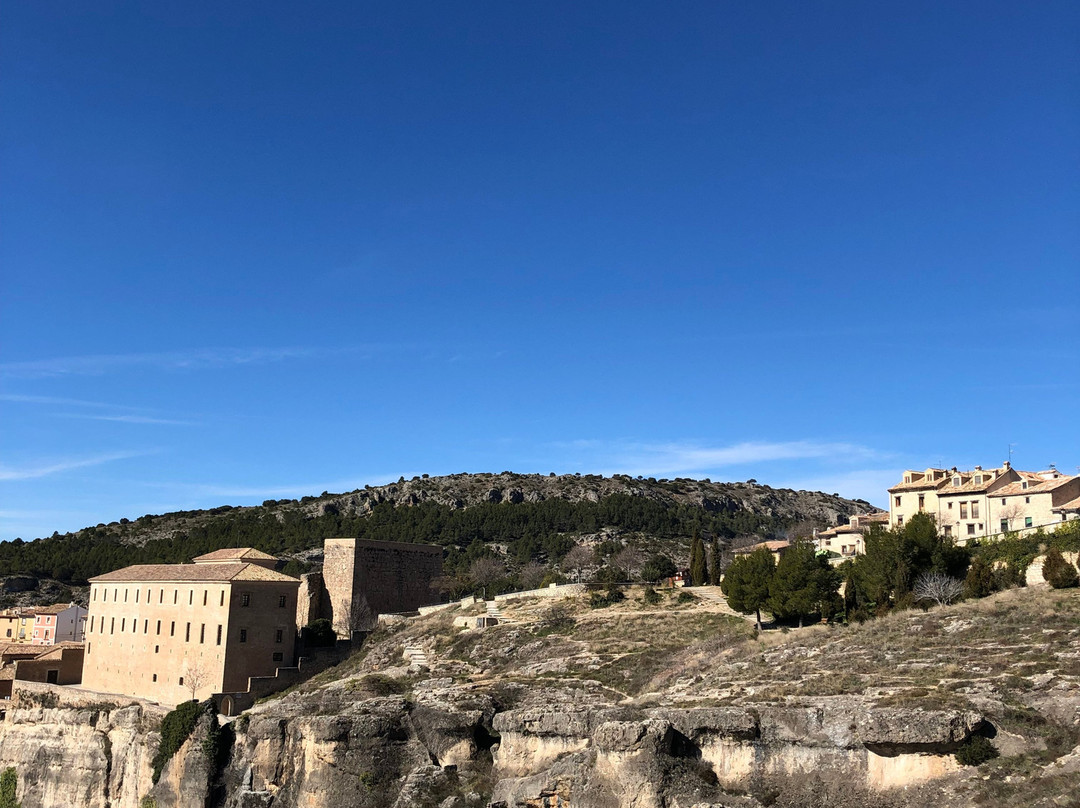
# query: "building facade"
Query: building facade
{"points": [[984, 502], [846, 541], [173, 632], [64, 622], [17, 625]]}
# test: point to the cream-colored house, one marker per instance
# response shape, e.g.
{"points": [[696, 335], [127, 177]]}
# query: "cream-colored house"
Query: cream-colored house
{"points": [[847, 540], [63, 622], [983, 502], [171, 632]]}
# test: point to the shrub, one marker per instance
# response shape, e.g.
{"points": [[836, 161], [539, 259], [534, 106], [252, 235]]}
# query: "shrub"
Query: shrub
{"points": [[651, 596], [319, 634], [9, 781], [1058, 572], [610, 596], [975, 750], [176, 728], [686, 597]]}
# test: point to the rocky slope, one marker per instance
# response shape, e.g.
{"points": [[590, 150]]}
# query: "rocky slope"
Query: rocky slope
{"points": [[631, 706]]}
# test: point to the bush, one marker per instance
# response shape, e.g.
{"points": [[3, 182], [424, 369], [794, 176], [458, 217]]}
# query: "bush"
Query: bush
{"points": [[976, 750], [9, 781], [686, 597], [319, 634], [1058, 572], [609, 597], [176, 728], [651, 596]]}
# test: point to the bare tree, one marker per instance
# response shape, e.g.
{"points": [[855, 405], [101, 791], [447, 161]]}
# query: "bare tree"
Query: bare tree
{"points": [[195, 677], [532, 574], [1010, 513], [577, 559], [353, 614], [628, 560], [486, 571], [804, 529], [937, 586]]}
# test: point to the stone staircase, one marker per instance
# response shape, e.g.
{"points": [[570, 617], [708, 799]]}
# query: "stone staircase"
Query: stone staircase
{"points": [[714, 597], [494, 612], [415, 655]]}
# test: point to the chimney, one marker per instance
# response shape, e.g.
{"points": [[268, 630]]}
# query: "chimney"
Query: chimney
{"points": [[1006, 465]]}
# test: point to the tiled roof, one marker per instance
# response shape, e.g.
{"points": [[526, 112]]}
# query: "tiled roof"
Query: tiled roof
{"points": [[18, 648], [919, 485], [768, 545], [209, 573], [56, 608], [234, 554], [1036, 485], [1071, 505]]}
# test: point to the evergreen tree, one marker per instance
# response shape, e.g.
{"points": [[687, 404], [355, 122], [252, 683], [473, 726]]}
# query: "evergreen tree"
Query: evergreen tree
{"points": [[714, 570], [1058, 572], [804, 583], [699, 571], [747, 582], [980, 580]]}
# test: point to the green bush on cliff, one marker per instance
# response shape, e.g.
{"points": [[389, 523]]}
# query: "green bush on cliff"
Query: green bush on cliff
{"points": [[976, 750], [9, 782], [176, 728]]}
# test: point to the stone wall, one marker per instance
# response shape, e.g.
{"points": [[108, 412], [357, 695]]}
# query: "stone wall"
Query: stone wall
{"points": [[364, 578]]}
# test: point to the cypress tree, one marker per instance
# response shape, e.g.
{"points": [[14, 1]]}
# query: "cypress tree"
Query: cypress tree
{"points": [[716, 574], [699, 571]]}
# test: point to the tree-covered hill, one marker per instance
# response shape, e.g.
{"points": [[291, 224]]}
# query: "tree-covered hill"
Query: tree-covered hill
{"points": [[528, 517]]}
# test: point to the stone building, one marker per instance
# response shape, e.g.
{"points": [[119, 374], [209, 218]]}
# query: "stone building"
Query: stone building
{"points": [[168, 632], [362, 579], [846, 541]]}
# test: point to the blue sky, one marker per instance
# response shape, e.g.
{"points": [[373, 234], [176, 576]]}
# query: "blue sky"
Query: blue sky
{"points": [[256, 250]]}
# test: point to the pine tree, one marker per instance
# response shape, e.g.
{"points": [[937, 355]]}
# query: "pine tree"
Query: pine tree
{"points": [[699, 571], [747, 582], [9, 782], [804, 583]]}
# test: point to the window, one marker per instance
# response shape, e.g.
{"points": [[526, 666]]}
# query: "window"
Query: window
{"points": [[278, 656], [181, 680], [146, 627], [279, 635], [112, 625], [91, 627], [202, 633], [1023, 485], [205, 595], [155, 677], [187, 633], [896, 501], [1004, 525], [948, 530], [1027, 521], [245, 599], [922, 501], [1027, 500], [1003, 500], [899, 521], [971, 529], [243, 635], [161, 596], [158, 627], [95, 594], [172, 629], [175, 596], [975, 509], [125, 594], [219, 634], [157, 648], [950, 506], [136, 595], [963, 510], [281, 601], [191, 598], [123, 622]]}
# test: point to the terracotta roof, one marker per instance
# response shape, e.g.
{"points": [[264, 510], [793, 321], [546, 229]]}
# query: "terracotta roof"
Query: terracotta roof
{"points": [[772, 546], [234, 554], [187, 573], [919, 485], [1036, 485], [57, 650], [56, 608], [18, 648], [1071, 505]]}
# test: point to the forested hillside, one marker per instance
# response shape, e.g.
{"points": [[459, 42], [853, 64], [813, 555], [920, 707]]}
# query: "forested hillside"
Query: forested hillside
{"points": [[530, 517]]}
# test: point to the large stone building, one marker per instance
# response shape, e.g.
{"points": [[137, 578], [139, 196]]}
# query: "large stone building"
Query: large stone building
{"points": [[171, 632], [362, 579], [985, 502]]}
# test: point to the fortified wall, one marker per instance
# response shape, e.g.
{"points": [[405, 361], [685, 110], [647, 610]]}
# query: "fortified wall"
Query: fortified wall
{"points": [[362, 579]]}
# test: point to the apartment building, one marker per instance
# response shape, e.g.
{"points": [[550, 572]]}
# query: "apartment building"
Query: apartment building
{"points": [[172, 632], [16, 625], [63, 622], [983, 502]]}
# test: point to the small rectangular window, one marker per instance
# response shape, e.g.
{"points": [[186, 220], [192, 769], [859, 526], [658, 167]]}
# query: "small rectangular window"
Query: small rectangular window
{"points": [[278, 656], [123, 623], [158, 632], [1027, 521], [112, 625], [281, 601], [1004, 525], [222, 598], [125, 594], [175, 596], [205, 595], [172, 628], [161, 596], [191, 598], [181, 680], [278, 635], [245, 599], [219, 634], [91, 626], [187, 633], [136, 595], [157, 648], [202, 633], [975, 510], [971, 529], [896, 500], [155, 677], [243, 635], [146, 627]]}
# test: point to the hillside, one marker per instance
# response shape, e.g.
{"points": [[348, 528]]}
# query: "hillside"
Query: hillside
{"points": [[527, 516]]}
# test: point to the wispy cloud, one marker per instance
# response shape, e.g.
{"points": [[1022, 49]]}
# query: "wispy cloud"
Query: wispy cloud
{"points": [[48, 468], [129, 419], [689, 458], [96, 365]]}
